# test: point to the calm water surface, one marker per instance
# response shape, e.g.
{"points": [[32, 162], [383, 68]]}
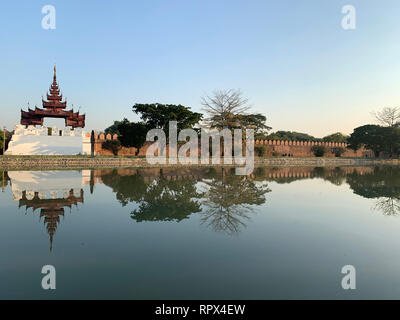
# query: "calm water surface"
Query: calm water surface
{"points": [[202, 233]]}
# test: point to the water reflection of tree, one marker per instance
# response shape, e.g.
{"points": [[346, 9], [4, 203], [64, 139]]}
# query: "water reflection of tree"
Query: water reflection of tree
{"points": [[166, 200], [382, 184], [128, 188], [3, 179], [336, 176], [388, 206], [229, 199], [161, 199]]}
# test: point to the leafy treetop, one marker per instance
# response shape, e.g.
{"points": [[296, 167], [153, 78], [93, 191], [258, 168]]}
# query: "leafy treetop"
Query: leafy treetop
{"points": [[335, 137], [130, 134], [376, 138], [291, 135], [158, 115]]}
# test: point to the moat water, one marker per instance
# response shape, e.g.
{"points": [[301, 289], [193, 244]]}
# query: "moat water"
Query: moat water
{"points": [[201, 233]]}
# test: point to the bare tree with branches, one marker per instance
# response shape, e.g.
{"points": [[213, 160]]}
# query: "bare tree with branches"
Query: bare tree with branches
{"points": [[389, 117], [389, 206], [223, 107]]}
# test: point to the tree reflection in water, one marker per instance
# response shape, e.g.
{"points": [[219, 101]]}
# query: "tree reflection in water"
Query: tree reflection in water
{"points": [[159, 197], [166, 200], [173, 195], [388, 206], [382, 184], [3, 180], [229, 199], [226, 201], [223, 201]]}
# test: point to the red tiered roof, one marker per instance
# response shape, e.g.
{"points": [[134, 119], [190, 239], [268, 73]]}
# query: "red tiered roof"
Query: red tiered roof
{"points": [[53, 108]]}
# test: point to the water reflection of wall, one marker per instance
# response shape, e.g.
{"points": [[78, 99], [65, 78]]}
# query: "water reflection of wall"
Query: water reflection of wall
{"points": [[150, 174], [224, 200], [50, 192]]}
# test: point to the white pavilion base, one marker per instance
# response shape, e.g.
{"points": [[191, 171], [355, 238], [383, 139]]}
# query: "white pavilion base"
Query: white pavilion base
{"points": [[48, 184], [36, 141]]}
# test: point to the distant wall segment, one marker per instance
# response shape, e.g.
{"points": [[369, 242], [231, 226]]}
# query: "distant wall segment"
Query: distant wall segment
{"points": [[273, 148]]}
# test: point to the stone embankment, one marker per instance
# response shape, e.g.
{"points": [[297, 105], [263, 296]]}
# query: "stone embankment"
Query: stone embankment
{"points": [[73, 162]]}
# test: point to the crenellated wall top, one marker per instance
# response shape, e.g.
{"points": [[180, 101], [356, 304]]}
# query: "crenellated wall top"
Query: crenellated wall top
{"points": [[21, 130], [299, 143]]}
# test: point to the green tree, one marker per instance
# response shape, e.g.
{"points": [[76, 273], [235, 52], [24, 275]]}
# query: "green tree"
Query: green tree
{"points": [[130, 134], [260, 150], [158, 115], [376, 138], [114, 128], [335, 137], [257, 122], [291, 136], [318, 151], [392, 144], [113, 145], [1, 141], [338, 151]]}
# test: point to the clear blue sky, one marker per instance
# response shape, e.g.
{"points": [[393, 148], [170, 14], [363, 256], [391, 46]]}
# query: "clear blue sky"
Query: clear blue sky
{"points": [[291, 59]]}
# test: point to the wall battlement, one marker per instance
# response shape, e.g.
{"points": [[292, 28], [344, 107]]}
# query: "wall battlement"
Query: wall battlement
{"points": [[39, 140], [305, 149], [300, 143], [285, 148]]}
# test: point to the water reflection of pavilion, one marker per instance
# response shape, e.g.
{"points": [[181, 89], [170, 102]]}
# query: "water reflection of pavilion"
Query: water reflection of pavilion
{"points": [[50, 192], [51, 209]]}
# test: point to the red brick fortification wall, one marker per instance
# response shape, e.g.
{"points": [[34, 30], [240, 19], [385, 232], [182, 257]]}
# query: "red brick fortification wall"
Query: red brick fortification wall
{"points": [[99, 150], [304, 149], [273, 148]]}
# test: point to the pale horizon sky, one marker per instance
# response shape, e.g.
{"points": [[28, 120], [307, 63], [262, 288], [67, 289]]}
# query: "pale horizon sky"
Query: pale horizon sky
{"points": [[291, 59]]}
